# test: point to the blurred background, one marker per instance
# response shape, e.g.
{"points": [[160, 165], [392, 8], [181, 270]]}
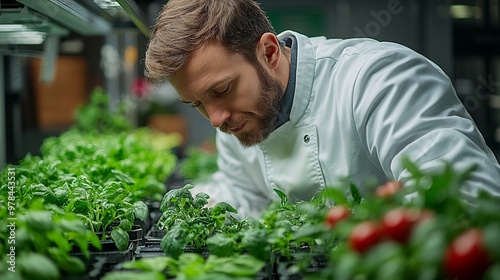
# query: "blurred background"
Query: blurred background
{"points": [[55, 53]]}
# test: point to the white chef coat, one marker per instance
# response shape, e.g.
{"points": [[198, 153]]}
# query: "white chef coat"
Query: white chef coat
{"points": [[359, 107]]}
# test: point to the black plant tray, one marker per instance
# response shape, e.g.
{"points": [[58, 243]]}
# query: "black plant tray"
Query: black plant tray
{"points": [[154, 250], [99, 263], [312, 263], [153, 236], [149, 252]]}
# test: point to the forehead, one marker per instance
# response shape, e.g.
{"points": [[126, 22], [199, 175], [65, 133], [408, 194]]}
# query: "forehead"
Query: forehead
{"points": [[206, 65]]}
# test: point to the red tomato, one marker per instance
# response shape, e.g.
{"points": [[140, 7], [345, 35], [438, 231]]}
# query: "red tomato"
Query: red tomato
{"points": [[336, 214], [364, 236], [388, 189], [466, 258], [398, 223]]}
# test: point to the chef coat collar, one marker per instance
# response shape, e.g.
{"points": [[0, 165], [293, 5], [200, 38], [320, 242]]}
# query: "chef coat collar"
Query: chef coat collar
{"points": [[303, 75], [286, 105]]}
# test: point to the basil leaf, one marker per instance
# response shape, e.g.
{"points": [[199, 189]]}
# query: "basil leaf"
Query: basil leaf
{"points": [[37, 266], [221, 245], [141, 210], [174, 242], [158, 264], [39, 220], [120, 237], [255, 241]]}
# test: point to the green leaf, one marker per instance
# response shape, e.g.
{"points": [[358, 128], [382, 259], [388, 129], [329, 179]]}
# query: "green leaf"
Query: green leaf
{"points": [[309, 231], [493, 272], [120, 237], [221, 245], [174, 241], [200, 200], [120, 176], [191, 265], [356, 196], [428, 241], [73, 225], [134, 275], [37, 266], [141, 210], [346, 266], [380, 254], [491, 233], [238, 266], [61, 196], [222, 208], [338, 196], [65, 262], [79, 206], [283, 197], [392, 269], [125, 224], [94, 240], [157, 264], [255, 241], [39, 220], [115, 191], [59, 239], [174, 195]]}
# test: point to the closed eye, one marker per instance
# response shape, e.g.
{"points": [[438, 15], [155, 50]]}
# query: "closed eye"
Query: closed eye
{"points": [[223, 91], [193, 104], [196, 104]]}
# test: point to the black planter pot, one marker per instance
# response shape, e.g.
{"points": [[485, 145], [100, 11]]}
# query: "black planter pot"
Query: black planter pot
{"points": [[153, 236], [146, 224], [101, 262], [312, 262]]}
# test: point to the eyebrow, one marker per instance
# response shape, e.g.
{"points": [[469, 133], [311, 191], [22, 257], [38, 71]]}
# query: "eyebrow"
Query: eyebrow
{"points": [[214, 85]]}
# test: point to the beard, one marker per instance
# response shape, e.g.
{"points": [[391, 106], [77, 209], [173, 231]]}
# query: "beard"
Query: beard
{"points": [[268, 103]]}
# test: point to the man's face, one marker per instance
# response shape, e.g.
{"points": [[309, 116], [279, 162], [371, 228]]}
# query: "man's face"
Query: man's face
{"points": [[236, 96]]}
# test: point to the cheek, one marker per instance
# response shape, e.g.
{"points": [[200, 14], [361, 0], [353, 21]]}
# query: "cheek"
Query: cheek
{"points": [[249, 96]]}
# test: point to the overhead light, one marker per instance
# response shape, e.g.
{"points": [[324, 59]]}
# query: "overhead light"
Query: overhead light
{"points": [[26, 37], [465, 12], [24, 19], [71, 14], [112, 7], [108, 4], [13, 27], [20, 34]]}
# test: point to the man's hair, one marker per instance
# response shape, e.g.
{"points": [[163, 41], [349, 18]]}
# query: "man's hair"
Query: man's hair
{"points": [[184, 25]]}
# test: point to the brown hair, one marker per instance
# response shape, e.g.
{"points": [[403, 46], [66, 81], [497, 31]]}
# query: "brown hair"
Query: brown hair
{"points": [[184, 25]]}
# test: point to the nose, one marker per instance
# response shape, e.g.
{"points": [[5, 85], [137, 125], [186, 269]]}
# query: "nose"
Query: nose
{"points": [[217, 115]]}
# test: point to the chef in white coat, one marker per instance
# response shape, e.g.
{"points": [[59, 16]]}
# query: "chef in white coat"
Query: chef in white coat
{"points": [[302, 114]]}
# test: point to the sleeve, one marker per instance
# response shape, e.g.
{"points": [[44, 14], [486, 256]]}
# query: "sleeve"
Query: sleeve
{"points": [[238, 180], [405, 106]]}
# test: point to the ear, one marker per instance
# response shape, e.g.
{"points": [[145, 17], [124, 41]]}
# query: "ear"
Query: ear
{"points": [[268, 50]]}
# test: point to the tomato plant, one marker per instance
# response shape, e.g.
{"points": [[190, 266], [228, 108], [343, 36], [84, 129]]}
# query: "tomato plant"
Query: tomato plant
{"points": [[365, 235], [336, 214], [466, 257], [398, 223]]}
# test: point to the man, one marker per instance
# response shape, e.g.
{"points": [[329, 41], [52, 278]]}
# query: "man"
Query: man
{"points": [[301, 114]]}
